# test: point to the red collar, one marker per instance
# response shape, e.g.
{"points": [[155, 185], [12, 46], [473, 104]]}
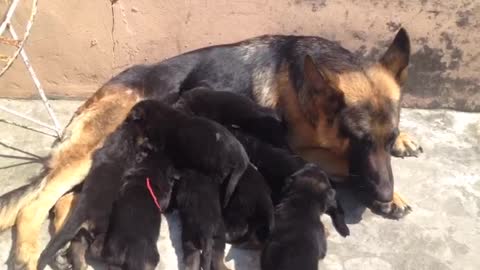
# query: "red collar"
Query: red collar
{"points": [[152, 193]]}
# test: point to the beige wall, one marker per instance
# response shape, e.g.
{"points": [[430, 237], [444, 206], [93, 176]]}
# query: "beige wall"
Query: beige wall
{"points": [[77, 45]]}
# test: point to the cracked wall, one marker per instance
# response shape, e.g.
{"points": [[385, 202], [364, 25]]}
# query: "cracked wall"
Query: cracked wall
{"points": [[77, 45]]}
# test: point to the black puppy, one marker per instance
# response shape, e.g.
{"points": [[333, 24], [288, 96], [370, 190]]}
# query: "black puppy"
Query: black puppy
{"points": [[130, 243], [99, 190], [250, 210], [228, 108], [190, 142], [275, 164], [197, 198], [298, 240], [193, 143]]}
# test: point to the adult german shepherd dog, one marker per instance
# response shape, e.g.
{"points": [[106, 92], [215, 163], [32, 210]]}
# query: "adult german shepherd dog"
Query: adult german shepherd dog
{"points": [[339, 112]]}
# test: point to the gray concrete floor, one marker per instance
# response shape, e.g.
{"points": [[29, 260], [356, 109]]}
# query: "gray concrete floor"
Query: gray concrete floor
{"points": [[442, 186]]}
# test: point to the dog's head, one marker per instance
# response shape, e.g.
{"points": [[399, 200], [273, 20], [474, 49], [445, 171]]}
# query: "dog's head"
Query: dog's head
{"points": [[355, 115], [312, 181]]}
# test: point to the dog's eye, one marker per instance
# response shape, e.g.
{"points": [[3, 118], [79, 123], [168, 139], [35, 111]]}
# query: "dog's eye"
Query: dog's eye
{"points": [[367, 140], [391, 139]]}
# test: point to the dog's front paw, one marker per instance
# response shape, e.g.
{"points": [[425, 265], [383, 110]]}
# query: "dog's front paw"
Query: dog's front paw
{"points": [[405, 146], [396, 209]]}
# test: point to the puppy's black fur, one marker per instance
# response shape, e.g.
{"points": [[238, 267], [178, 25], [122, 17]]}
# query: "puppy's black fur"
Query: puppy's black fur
{"points": [[250, 209], [100, 188], [228, 108], [275, 164], [197, 198], [130, 243], [298, 240], [193, 143]]}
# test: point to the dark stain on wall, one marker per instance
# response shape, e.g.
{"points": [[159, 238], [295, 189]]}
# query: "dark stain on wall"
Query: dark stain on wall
{"points": [[429, 86], [463, 18]]}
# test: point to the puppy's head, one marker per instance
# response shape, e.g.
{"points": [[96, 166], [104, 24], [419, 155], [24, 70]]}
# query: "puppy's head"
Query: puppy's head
{"points": [[150, 119], [314, 181]]}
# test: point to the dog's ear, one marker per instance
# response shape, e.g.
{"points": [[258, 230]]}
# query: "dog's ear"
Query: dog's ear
{"points": [[319, 92], [137, 114], [336, 213], [396, 59]]}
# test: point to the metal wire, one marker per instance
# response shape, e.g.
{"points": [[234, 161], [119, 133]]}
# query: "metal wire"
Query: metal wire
{"points": [[20, 50]]}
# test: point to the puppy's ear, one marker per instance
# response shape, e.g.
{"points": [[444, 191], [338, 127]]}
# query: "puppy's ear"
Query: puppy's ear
{"points": [[320, 92], [336, 213], [137, 114]]}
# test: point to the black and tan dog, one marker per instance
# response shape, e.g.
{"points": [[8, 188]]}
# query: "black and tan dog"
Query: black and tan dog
{"points": [[188, 141], [339, 113], [298, 240]]}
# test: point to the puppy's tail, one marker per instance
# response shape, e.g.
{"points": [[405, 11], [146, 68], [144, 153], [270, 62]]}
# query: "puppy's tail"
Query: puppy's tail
{"points": [[267, 212], [66, 233], [236, 175], [12, 202]]}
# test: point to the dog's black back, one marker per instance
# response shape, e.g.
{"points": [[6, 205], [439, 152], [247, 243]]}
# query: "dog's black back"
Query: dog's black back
{"points": [[237, 67]]}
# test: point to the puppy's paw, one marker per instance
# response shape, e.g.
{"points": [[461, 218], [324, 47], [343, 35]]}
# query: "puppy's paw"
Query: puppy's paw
{"points": [[405, 146], [396, 209]]}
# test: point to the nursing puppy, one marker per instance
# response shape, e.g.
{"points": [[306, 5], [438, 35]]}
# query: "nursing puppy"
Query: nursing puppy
{"points": [[228, 108], [193, 142], [130, 243], [298, 240], [197, 199]]}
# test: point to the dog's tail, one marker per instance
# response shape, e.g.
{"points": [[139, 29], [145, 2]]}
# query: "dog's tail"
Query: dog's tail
{"points": [[12, 202], [66, 233]]}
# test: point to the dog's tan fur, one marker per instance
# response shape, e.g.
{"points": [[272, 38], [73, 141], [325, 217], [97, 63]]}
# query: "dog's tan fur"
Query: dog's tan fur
{"points": [[69, 163], [321, 143], [62, 210]]}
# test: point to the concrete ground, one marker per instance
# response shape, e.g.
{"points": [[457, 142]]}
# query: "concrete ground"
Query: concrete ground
{"points": [[442, 186]]}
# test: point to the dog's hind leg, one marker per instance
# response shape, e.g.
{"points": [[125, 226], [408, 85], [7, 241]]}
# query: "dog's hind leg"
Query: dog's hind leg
{"points": [[31, 217], [70, 163], [61, 211]]}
